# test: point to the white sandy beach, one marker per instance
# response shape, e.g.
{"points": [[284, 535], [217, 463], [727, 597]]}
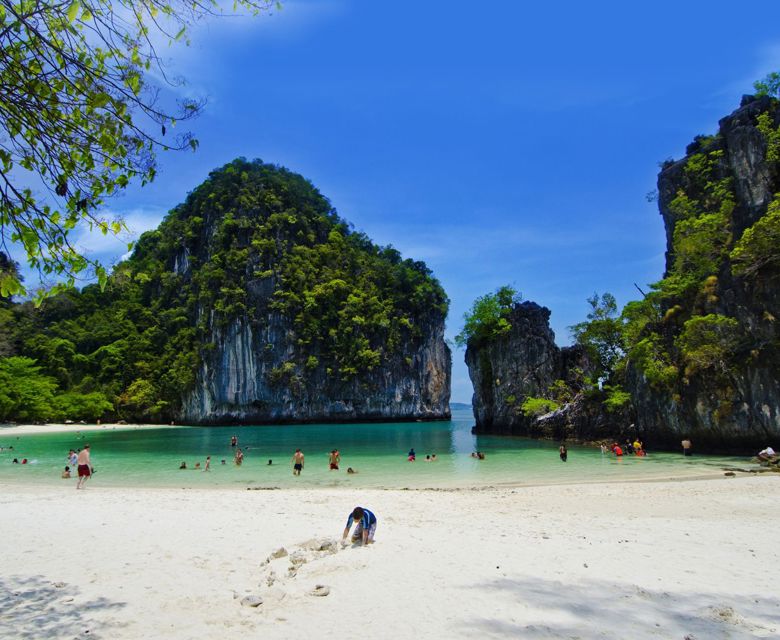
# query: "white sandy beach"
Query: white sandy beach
{"points": [[58, 427], [676, 560]]}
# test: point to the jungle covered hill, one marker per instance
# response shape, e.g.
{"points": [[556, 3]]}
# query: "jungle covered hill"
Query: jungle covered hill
{"points": [[252, 301]]}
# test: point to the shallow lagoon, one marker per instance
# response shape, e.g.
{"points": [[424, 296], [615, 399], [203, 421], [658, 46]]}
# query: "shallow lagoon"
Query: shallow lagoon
{"points": [[151, 457]]}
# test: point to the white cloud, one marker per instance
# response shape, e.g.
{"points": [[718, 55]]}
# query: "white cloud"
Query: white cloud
{"points": [[109, 246]]}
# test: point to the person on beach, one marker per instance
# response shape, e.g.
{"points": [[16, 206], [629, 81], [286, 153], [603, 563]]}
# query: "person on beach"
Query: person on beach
{"points": [[687, 446], [411, 456], [297, 462], [433, 457], [72, 457], [603, 449], [183, 465], [629, 447], [233, 441], [208, 464], [637, 445], [197, 466], [563, 453], [480, 455], [366, 526], [350, 470], [270, 462], [428, 458], [84, 467], [333, 460], [66, 473], [239, 457], [617, 450]]}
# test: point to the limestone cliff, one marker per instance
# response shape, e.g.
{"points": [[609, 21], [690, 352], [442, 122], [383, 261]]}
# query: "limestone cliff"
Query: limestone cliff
{"points": [[524, 362], [731, 399], [702, 349], [312, 322]]}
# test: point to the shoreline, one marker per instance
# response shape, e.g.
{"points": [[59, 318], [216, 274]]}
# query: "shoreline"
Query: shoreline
{"points": [[732, 476]]}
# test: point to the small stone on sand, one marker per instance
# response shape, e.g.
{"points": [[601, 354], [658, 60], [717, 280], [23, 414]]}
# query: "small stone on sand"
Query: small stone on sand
{"points": [[251, 601], [320, 590]]}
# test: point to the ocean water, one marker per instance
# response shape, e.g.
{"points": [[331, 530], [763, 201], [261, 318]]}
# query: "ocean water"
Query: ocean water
{"points": [[377, 451]]}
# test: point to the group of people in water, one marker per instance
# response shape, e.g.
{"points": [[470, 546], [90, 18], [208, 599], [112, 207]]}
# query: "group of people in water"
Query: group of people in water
{"points": [[635, 448], [412, 456]]}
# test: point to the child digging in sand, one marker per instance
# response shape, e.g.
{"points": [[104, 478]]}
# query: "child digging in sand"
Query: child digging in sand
{"points": [[366, 526]]}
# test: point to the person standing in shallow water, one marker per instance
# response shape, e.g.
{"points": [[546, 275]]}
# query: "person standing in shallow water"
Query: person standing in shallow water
{"points": [[563, 452], [85, 466], [333, 460], [297, 461], [687, 447]]}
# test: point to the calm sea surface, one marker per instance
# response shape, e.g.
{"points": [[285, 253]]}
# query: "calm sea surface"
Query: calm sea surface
{"points": [[151, 457]]}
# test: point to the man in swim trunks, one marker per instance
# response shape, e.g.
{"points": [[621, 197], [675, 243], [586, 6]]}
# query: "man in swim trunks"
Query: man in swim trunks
{"points": [[297, 461], [333, 460], [85, 466], [366, 526]]}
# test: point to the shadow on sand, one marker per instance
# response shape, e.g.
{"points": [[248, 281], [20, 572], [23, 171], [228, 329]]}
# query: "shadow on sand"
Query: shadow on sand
{"points": [[597, 609], [32, 607]]}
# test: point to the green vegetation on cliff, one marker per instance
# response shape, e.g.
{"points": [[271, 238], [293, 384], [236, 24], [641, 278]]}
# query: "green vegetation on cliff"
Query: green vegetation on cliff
{"points": [[254, 240], [488, 316]]}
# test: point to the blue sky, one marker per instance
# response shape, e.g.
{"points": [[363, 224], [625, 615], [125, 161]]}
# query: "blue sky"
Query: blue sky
{"points": [[502, 143]]}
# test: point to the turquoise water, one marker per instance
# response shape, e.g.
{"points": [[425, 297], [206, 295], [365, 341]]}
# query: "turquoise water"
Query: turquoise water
{"points": [[151, 457]]}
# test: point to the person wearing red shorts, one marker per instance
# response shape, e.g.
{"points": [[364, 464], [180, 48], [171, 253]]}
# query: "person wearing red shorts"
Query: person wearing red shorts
{"points": [[85, 467]]}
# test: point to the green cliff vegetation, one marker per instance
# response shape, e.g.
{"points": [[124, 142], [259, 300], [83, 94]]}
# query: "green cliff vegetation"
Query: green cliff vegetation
{"points": [[253, 241], [488, 316]]}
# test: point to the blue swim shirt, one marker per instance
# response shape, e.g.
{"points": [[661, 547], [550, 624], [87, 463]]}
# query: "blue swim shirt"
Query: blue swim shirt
{"points": [[367, 520]]}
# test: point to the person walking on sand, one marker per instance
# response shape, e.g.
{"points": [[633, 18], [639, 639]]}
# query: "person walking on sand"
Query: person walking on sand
{"points": [[85, 467], [687, 446], [366, 526], [297, 461], [333, 460]]}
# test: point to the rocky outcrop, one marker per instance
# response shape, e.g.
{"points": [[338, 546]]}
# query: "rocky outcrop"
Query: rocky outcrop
{"points": [[519, 364], [737, 407]]}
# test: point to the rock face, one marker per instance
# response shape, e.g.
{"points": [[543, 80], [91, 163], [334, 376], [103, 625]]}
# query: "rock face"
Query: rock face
{"points": [[522, 363], [737, 407], [293, 329], [234, 382]]}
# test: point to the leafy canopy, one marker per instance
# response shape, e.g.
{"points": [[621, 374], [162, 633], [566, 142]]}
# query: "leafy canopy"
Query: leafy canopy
{"points": [[81, 115], [601, 334], [769, 86], [488, 316]]}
